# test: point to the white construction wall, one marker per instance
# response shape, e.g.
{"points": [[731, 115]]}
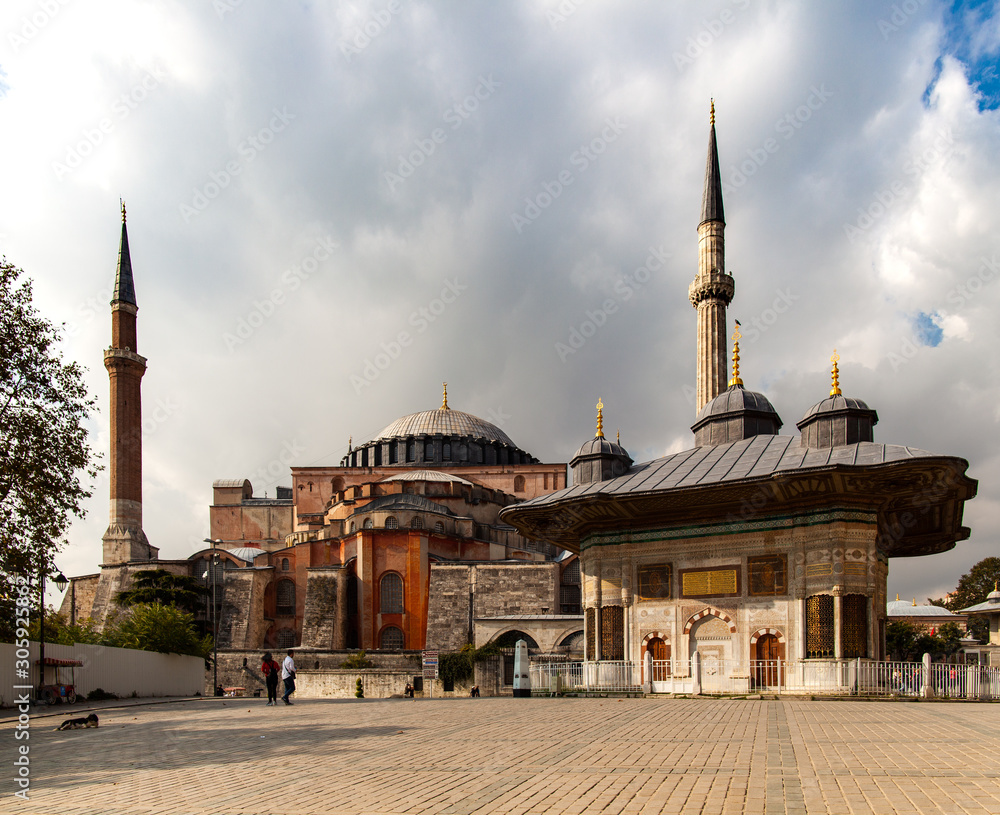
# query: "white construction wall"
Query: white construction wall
{"points": [[121, 671]]}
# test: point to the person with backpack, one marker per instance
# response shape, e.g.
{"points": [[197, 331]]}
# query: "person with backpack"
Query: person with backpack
{"points": [[270, 669]]}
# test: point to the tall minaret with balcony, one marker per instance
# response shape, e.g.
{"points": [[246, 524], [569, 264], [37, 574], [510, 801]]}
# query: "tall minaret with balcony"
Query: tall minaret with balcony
{"points": [[124, 540], [712, 289]]}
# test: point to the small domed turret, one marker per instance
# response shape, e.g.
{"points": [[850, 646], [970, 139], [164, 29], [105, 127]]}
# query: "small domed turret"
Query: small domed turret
{"points": [[736, 413], [599, 459], [837, 420]]}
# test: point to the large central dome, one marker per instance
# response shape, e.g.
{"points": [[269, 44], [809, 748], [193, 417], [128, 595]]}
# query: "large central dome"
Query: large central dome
{"points": [[438, 438], [446, 422]]}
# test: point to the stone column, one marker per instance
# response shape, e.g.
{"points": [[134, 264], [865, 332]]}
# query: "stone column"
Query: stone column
{"points": [[838, 612]]}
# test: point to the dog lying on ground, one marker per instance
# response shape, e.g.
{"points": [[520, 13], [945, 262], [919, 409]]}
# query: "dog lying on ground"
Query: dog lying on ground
{"points": [[79, 724]]}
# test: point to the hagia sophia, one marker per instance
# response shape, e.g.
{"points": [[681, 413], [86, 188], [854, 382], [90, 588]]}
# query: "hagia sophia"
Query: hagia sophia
{"points": [[440, 531]]}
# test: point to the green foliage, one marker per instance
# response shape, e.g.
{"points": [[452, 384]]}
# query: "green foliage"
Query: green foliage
{"points": [[460, 666], [358, 660], [59, 631], [971, 590], [160, 586], [43, 440], [359, 689], [156, 627], [907, 642]]}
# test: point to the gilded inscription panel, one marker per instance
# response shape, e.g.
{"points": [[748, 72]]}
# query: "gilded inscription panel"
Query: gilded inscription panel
{"points": [[724, 582]]}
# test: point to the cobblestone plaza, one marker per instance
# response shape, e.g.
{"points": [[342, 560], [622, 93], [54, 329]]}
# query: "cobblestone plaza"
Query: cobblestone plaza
{"points": [[496, 755]]}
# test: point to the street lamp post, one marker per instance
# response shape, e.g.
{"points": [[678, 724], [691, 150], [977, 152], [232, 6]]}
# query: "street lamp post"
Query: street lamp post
{"points": [[213, 572]]}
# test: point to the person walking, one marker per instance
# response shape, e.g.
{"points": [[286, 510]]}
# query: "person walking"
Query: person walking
{"points": [[270, 669], [288, 675]]}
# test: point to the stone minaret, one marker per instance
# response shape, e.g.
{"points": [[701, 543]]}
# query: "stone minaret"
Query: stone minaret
{"points": [[124, 541], [712, 289]]}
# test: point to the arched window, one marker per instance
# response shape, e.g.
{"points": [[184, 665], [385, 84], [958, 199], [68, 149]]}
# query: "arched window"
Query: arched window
{"points": [[285, 598], [284, 564], [446, 451], [417, 522], [439, 527], [819, 626], [392, 638], [411, 451], [391, 594], [519, 483], [285, 638], [368, 523], [429, 451], [854, 626], [354, 527], [391, 523], [337, 483]]}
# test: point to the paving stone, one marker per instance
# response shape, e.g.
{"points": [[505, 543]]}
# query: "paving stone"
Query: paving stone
{"points": [[517, 757]]}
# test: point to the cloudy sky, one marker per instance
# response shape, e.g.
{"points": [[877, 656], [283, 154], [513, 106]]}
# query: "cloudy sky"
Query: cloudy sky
{"points": [[334, 207]]}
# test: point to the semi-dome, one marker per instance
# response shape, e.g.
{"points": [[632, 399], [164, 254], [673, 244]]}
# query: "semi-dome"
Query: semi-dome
{"points": [[734, 415], [247, 553], [438, 438]]}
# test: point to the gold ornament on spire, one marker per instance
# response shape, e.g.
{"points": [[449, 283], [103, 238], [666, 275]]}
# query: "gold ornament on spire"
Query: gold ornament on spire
{"points": [[444, 400], [712, 115], [123, 209], [835, 390], [736, 356], [618, 437], [600, 419]]}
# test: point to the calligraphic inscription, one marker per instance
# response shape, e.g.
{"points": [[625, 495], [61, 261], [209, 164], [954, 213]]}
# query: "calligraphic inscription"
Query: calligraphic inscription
{"points": [[818, 569], [710, 582], [654, 582]]}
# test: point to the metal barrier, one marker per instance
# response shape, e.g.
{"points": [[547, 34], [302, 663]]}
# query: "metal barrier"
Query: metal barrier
{"points": [[732, 677]]}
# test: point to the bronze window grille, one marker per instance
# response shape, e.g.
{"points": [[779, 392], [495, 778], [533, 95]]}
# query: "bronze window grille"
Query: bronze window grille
{"points": [[819, 626]]}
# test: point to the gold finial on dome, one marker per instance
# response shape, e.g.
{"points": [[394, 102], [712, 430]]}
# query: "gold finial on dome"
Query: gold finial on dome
{"points": [[712, 114], [618, 437], [736, 356], [835, 390], [350, 441], [914, 601], [600, 419], [444, 400], [897, 596]]}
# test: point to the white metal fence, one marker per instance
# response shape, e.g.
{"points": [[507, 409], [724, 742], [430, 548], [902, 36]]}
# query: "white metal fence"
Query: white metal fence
{"points": [[730, 677]]}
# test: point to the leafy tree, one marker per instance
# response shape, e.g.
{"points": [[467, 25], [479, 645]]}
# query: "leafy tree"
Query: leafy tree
{"points": [[907, 642], [971, 590], [160, 586], [59, 631], [158, 627], [900, 640], [43, 440], [358, 660]]}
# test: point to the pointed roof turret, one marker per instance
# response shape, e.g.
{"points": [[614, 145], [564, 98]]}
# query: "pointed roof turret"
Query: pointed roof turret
{"points": [[711, 201], [124, 285]]}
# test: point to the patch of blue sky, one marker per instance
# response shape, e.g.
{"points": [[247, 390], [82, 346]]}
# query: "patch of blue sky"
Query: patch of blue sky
{"points": [[972, 35], [926, 329]]}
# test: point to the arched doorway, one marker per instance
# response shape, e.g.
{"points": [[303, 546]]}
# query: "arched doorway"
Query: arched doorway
{"points": [[659, 650], [767, 654], [506, 642]]}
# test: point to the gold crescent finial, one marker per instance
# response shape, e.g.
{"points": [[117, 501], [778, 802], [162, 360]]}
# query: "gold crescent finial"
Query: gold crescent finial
{"points": [[736, 356], [600, 419], [618, 437], [835, 390], [897, 596], [444, 400], [123, 209], [712, 115], [914, 601]]}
